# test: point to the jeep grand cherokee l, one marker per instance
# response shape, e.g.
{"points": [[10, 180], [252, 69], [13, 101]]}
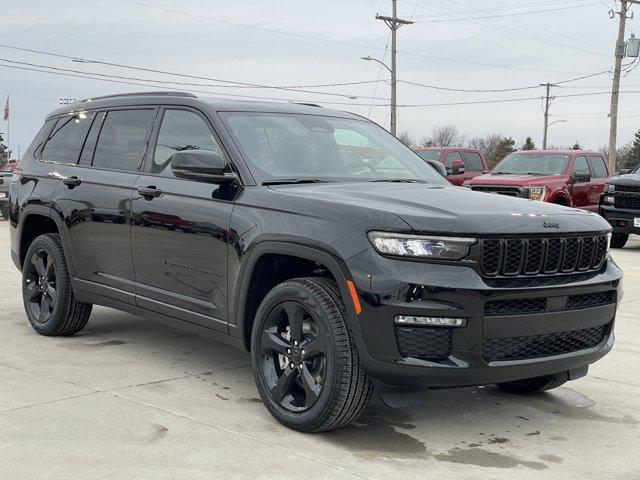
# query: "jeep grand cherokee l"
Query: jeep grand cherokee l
{"points": [[620, 205], [574, 178], [313, 239]]}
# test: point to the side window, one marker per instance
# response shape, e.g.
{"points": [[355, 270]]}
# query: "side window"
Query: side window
{"points": [[90, 143], [581, 167], [180, 130], [473, 161], [598, 166], [123, 139], [448, 162], [66, 139], [41, 137]]}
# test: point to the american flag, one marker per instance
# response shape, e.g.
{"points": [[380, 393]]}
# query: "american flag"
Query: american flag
{"points": [[6, 110]]}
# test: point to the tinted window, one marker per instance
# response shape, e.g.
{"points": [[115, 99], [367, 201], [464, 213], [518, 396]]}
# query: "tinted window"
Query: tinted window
{"points": [[66, 138], [123, 139], [42, 136], [598, 166], [90, 143], [473, 161], [180, 130], [581, 167], [533, 164], [430, 154], [448, 162]]}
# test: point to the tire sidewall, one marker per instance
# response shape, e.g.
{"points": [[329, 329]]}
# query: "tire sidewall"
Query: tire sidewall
{"points": [[59, 313], [298, 292]]}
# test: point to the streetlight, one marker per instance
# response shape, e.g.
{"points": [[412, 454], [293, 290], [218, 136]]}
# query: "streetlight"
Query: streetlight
{"points": [[557, 121], [393, 92]]}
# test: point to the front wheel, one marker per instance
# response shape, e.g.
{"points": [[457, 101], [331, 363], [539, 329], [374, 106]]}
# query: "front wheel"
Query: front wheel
{"points": [[305, 362], [619, 240]]}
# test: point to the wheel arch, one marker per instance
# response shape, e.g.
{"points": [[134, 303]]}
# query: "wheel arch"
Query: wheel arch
{"points": [[252, 267]]}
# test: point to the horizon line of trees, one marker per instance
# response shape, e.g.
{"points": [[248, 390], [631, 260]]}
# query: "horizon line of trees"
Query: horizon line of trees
{"points": [[496, 146]]}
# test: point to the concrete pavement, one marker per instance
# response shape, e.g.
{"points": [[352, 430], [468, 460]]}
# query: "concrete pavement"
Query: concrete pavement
{"points": [[131, 399]]}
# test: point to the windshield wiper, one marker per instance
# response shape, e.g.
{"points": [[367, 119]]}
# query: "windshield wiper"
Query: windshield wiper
{"points": [[401, 180], [290, 181], [535, 173]]}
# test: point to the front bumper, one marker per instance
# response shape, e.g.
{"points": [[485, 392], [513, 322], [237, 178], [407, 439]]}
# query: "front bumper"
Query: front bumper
{"points": [[476, 352], [622, 221]]}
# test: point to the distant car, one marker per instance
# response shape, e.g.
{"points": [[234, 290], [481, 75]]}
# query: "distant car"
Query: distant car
{"points": [[620, 205], [6, 173], [461, 164], [574, 178]]}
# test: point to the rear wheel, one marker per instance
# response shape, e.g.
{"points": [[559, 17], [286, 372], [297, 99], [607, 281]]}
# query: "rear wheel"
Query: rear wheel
{"points": [[305, 362], [619, 240], [532, 385], [49, 302]]}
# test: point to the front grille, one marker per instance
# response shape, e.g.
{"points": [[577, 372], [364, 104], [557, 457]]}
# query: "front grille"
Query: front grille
{"points": [[521, 306], [627, 202], [628, 188], [536, 256], [510, 191], [424, 343], [545, 345], [590, 300], [530, 306]]}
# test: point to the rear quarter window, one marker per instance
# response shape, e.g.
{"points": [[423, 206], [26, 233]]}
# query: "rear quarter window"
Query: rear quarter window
{"points": [[473, 161], [598, 166], [66, 139]]}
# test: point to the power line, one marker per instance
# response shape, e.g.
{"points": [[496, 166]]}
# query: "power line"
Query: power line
{"points": [[501, 8]]}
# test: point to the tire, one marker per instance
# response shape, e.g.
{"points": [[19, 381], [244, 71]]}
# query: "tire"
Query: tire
{"points": [[4, 212], [319, 389], [619, 240], [530, 386], [48, 298]]}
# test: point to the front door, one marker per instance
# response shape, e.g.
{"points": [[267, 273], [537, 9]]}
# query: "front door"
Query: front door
{"points": [[456, 179], [95, 198], [581, 188], [181, 228], [598, 180]]}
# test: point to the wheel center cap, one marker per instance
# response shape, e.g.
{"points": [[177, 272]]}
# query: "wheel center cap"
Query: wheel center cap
{"points": [[296, 356]]}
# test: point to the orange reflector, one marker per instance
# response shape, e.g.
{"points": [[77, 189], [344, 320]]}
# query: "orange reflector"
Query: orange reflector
{"points": [[354, 297]]}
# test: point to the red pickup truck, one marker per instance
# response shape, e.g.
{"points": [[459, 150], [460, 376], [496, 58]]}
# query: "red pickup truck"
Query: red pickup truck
{"points": [[462, 164], [574, 178]]}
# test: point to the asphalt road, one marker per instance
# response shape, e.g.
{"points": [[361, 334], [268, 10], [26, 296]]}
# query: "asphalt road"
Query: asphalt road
{"points": [[131, 399]]}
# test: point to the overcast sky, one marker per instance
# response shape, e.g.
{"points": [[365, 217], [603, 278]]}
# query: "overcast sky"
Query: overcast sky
{"points": [[467, 44]]}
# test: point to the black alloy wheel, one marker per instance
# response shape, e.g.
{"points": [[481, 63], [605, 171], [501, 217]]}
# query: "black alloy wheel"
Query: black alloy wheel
{"points": [[294, 356], [41, 289]]}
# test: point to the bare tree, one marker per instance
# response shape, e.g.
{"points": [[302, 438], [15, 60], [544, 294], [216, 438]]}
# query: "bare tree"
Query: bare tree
{"points": [[487, 144], [426, 142], [406, 138], [445, 135]]}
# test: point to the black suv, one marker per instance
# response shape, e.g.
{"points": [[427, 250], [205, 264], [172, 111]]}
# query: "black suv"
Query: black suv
{"points": [[312, 238], [620, 205]]}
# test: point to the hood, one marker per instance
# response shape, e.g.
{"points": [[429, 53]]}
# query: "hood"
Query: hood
{"points": [[516, 179], [442, 209], [628, 179]]}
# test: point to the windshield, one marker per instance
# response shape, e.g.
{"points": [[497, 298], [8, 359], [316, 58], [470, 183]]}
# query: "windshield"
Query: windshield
{"points": [[280, 146], [533, 164], [636, 170], [430, 154]]}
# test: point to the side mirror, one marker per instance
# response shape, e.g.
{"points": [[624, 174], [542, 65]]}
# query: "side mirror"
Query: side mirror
{"points": [[203, 166], [458, 168], [581, 177], [624, 171]]}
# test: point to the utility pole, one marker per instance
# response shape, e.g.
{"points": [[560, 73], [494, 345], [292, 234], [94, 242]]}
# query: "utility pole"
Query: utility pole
{"points": [[615, 89], [394, 23], [547, 103]]}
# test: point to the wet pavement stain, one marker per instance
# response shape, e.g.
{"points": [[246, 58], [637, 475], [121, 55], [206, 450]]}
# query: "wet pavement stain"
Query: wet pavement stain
{"points": [[559, 438], [531, 434], [498, 440], [92, 346], [550, 457], [249, 400], [485, 458], [221, 397], [373, 434], [159, 431]]}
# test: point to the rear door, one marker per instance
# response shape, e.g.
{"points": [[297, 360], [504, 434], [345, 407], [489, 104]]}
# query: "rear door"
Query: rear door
{"points": [[598, 180], [581, 188], [95, 199], [181, 231], [473, 164]]}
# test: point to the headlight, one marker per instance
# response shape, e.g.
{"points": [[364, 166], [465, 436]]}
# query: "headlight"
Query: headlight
{"points": [[610, 199], [610, 188], [537, 193], [442, 248]]}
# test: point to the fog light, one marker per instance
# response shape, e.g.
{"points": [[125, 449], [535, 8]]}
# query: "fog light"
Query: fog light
{"points": [[430, 321]]}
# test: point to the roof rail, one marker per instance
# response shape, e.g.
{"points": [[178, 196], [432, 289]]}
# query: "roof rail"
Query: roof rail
{"points": [[307, 104], [141, 94]]}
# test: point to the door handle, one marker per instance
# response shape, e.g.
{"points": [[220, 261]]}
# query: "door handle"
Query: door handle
{"points": [[149, 192], [72, 182]]}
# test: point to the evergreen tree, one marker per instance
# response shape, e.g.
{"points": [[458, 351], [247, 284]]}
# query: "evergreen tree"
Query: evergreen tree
{"points": [[504, 148], [576, 146], [4, 152], [528, 144], [633, 157]]}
